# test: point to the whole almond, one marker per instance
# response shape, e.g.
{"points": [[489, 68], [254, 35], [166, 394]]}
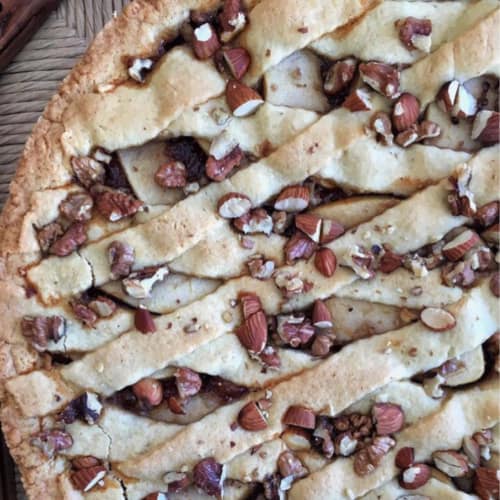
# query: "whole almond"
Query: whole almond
{"points": [[144, 321], [325, 262], [437, 319], [405, 112], [451, 462]]}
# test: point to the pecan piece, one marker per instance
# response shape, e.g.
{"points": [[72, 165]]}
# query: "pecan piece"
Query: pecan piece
{"points": [[171, 175], [77, 207], [88, 171], [52, 441], [188, 152], [41, 329], [188, 382], [75, 236], [86, 315], [48, 235], [121, 258], [114, 205], [218, 170]]}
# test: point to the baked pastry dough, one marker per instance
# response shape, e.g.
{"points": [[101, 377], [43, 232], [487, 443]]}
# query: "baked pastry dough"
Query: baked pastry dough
{"points": [[251, 251]]}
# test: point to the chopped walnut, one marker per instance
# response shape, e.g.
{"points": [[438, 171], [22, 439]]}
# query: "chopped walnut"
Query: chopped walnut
{"points": [[41, 329], [88, 171], [121, 257], [171, 175], [74, 236], [86, 315]]}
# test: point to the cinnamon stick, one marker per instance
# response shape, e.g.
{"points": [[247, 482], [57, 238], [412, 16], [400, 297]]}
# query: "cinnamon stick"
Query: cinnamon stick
{"points": [[19, 21]]}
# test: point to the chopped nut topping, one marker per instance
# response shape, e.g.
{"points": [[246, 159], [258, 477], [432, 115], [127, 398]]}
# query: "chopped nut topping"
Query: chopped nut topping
{"points": [[48, 235], [290, 465], [85, 462], [121, 257], [205, 41], [299, 246], [325, 262], [232, 19], [149, 390], [241, 99], [252, 418], [188, 152], [362, 262], [144, 321], [452, 463], [233, 205], [86, 407], [368, 459], [300, 416], [86, 315], [219, 169], [255, 221], [415, 476], [261, 269], [339, 76], [294, 330], [104, 307], [461, 199], [389, 418], [85, 479], [381, 124], [238, 61], [405, 112], [383, 78], [293, 199]]}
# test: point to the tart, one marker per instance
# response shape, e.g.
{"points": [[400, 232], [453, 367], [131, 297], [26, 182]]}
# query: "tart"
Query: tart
{"points": [[251, 251]]}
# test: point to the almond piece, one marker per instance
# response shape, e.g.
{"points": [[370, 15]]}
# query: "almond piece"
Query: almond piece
{"points": [[381, 77], [486, 483], [321, 315], [437, 319], [465, 104], [205, 41], [339, 76], [325, 262], [390, 261], [232, 19], [84, 462], [487, 214], [321, 345], [218, 170], [408, 137], [486, 127], [253, 333], [447, 96], [299, 246], [415, 476], [459, 246], [250, 303], [251, 417], [451, 462], [238, 61], [358, 100], [241, 99], [405, 457], [188, 382], [293, 199], [233, 205], [158, 495], [309, 224], [330, 230], [85, 479], [428, 130], [405, 112], [149, 390], [290, 466], [389, 418], [412, 30], [138, 69], [381, 124], [256, 221], [299, 416], [144, 321]]}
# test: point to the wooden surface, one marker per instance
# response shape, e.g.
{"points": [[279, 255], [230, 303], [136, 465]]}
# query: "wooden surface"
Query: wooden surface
{"points": [[26, 85]]}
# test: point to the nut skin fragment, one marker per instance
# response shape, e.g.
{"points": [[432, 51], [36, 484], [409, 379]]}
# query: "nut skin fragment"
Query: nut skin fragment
{"points": [[52, 441], [410, 27]]}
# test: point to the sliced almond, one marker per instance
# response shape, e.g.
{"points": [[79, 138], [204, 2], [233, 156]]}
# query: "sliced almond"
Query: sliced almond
{"points": [[459, 246], [251, 417], [437, 319], [293, 199], [241, 99], [233, 205]]}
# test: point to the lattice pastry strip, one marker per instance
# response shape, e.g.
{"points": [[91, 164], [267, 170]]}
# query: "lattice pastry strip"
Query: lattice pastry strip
{"points": [[449, 20], [389, 360]]}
